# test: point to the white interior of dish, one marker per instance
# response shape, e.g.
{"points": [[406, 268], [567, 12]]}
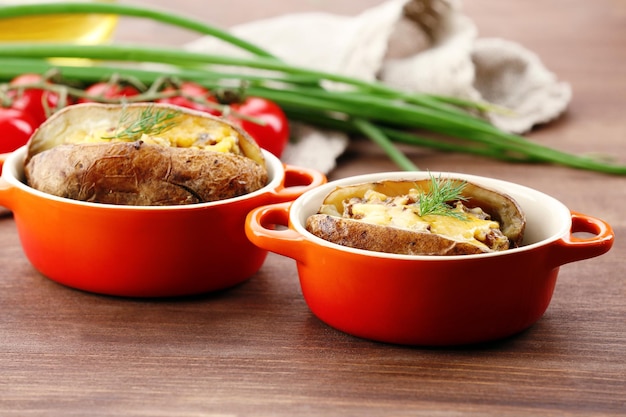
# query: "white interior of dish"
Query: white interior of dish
{"points": [[547, 219], [13, 174]]}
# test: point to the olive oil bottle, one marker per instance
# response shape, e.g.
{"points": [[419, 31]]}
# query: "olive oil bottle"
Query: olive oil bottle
{"points": [[77, 28]]}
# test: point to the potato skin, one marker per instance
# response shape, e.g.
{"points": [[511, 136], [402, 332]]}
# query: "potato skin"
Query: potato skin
{"points": [[73, 155], [360, 235], [329, 223], [501, 207], [141, 174]]}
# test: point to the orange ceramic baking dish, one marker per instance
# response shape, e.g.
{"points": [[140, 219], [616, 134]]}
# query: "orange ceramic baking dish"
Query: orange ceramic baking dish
{"points": [[431, 300], [144, 251]]}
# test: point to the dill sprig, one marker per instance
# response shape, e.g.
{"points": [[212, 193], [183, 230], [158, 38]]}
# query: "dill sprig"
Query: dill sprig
{"points": [[150, 121], [442, 191]]}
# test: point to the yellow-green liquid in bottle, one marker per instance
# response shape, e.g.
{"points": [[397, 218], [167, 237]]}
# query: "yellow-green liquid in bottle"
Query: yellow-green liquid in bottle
{"points": [[77, 28]]}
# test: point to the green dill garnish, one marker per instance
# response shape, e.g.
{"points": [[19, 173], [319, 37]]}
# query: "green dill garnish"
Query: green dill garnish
{"points": [[150, 121], [435, 201]]}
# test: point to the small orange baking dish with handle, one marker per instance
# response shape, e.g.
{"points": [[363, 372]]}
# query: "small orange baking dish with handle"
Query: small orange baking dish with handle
{"points": [[144, 251], [431, 300]]}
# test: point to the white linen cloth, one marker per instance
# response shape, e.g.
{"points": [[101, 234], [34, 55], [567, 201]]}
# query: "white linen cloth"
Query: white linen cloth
{"points": [[426, 46]]}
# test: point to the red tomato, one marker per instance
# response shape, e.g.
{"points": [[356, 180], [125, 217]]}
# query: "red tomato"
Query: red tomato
{"points": [[31, 100], [190, 89], [108, 91], [16, 127], [273, 134]]}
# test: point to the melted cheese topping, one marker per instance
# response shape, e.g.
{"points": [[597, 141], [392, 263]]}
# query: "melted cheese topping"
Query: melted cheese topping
{"points": [[473, 226], [187, 133]]}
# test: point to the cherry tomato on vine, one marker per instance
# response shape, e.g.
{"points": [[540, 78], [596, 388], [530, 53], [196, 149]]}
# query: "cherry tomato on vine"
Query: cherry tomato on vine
{"points": [[273, 134], [108, 91], [189, 90], [31, 100], [16, 127]]}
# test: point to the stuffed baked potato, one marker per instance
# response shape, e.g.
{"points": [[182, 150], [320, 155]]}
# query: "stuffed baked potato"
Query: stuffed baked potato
{"points": [[142, 154], [427, 217]]}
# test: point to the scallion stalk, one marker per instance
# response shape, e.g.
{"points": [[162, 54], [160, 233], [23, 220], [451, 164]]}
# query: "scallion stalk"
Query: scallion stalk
{"points": [[373, 109], [382, 140], [151, 13]]}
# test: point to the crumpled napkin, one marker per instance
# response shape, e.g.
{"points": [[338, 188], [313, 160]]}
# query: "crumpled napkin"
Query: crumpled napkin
{"points": [[426, 46]]}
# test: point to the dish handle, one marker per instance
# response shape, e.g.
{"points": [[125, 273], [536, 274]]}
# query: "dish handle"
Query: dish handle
{"points": [[3, 157], [7, 196], [598, 239], [261, 230], [298, 180]]}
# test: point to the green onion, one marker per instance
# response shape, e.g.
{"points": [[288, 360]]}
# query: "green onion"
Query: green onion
{"points": [[167, 17], [379, 112], [379, 137]]}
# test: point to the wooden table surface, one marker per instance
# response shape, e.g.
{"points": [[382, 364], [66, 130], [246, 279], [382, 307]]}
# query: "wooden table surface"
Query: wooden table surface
{"points": [[257, 349]]}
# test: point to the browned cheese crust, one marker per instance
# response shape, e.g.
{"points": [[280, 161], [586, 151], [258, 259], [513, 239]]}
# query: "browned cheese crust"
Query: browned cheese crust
{"points": [[142, 174]]}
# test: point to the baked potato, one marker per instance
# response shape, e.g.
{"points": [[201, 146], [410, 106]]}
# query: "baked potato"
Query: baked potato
{"points": [[142, 154], [427, 217]]}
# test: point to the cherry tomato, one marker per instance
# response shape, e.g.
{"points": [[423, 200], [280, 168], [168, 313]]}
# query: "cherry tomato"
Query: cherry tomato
{"points": [[16, 127], [108, 91], [190, 89], [273, 134], [31, 100]]}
